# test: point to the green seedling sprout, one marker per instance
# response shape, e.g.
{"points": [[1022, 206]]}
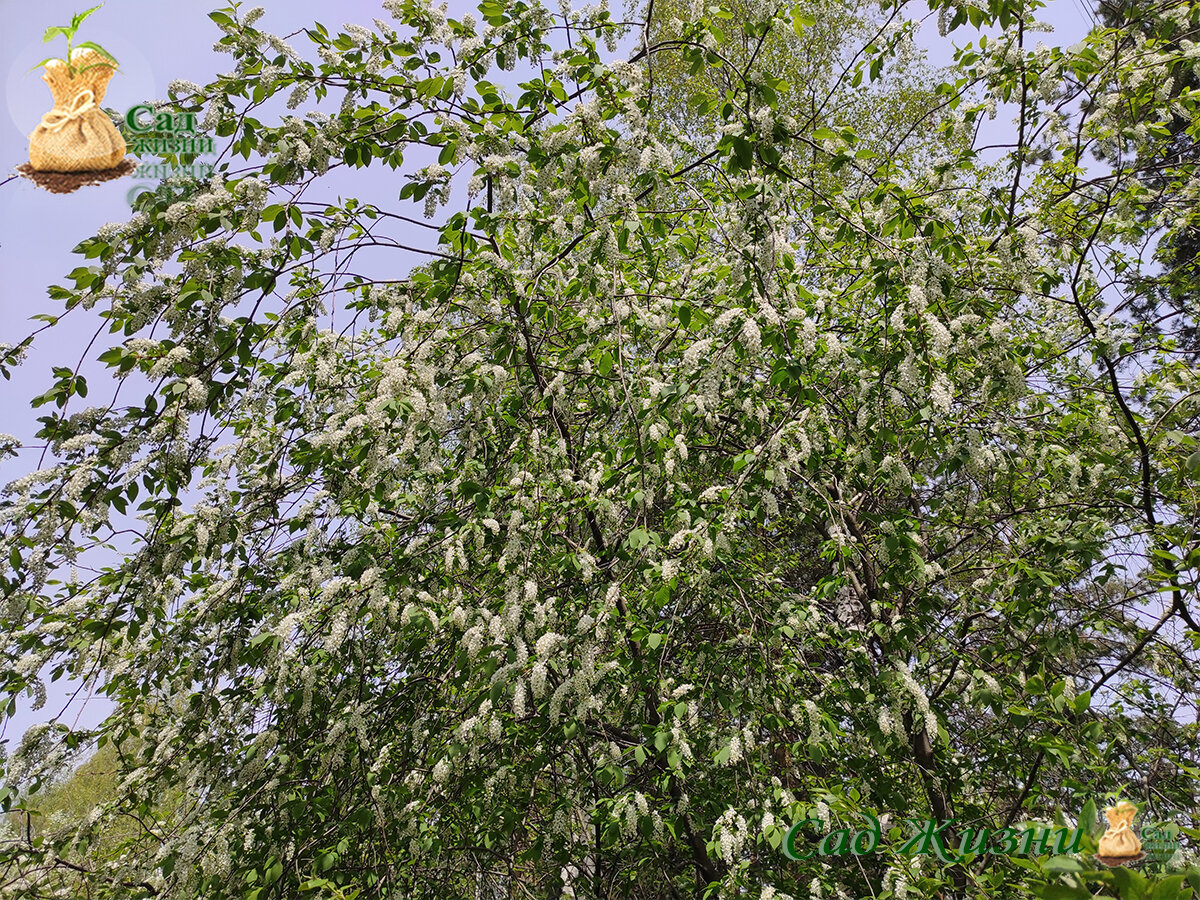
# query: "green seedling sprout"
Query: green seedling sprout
{"points": [[68, 31], [1114, 798]]}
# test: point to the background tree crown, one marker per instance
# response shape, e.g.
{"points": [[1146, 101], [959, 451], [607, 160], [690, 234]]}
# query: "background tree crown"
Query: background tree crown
{"points": [[706, 467]]}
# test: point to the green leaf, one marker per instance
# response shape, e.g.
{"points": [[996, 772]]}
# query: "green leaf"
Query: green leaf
{"points": [[92, 45], [77, 19], [1132, 884], [1193, 463], [1062, 864], [1087, 818], [743, 153], [801, 20], [1059, 891], [54, 31], [1168, 889], [46, 60]]}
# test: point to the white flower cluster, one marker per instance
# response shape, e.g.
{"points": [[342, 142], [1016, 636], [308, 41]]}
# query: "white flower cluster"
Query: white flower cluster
{"points": [[182, 87], [941, 392], [731, 832], [895, 879], [889, 722], [919, 699]]}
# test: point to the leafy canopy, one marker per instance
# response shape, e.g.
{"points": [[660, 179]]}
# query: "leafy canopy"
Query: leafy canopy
{"points": [[656, 491]]}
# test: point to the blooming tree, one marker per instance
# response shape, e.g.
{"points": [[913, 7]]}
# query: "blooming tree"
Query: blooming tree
{"points": [[676, 489]]}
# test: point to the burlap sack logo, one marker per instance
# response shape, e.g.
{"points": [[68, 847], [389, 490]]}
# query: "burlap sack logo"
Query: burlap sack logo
{"points": [[1122, 845], [76, 143]]}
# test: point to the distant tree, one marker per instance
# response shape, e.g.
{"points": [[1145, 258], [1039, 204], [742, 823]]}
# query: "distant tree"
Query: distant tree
{"points": [[1159, 148], [53, 817], [69, 801], [804, 72]]}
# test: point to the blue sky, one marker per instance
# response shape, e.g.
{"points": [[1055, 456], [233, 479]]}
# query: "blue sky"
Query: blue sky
{"points": [[156, 43]]}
